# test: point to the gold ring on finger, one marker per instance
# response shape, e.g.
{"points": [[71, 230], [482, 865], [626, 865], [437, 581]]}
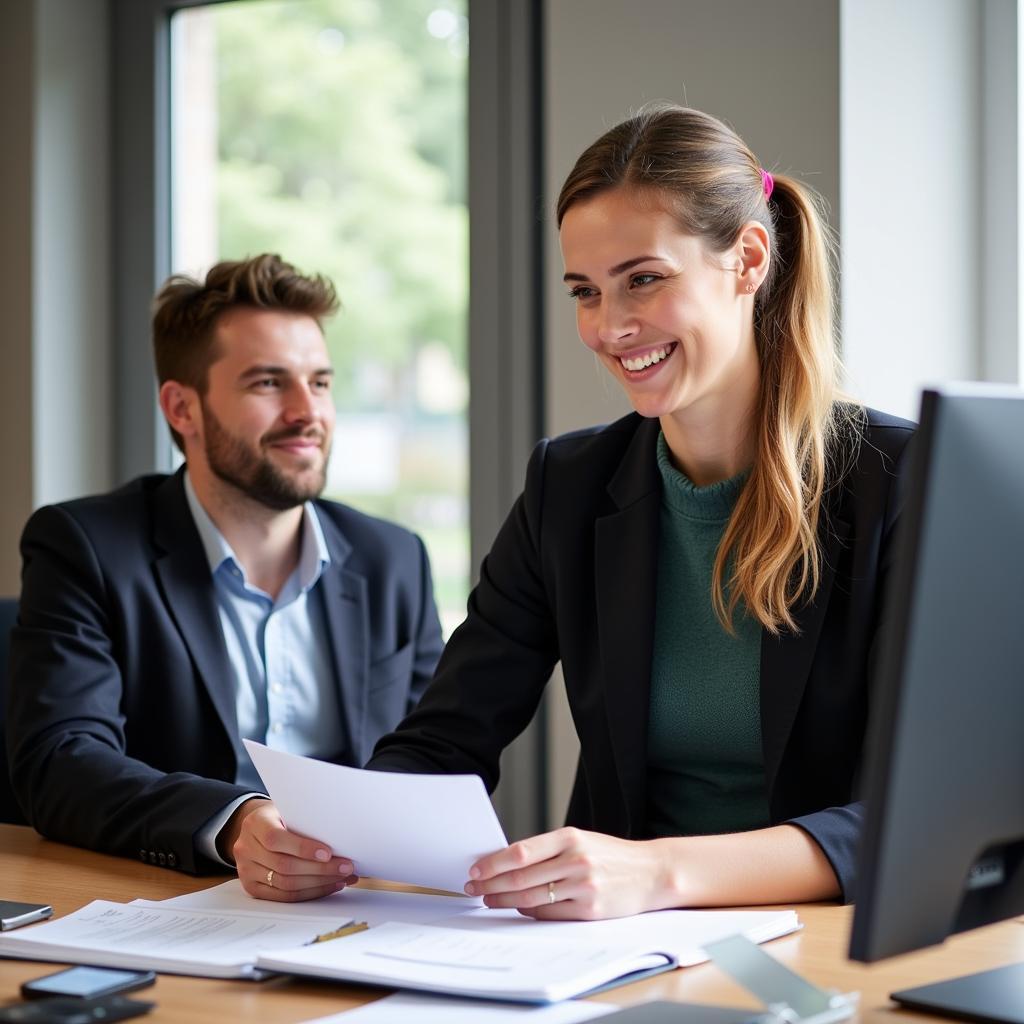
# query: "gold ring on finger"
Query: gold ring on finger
{"points": [[551, 892], [270, 878]]}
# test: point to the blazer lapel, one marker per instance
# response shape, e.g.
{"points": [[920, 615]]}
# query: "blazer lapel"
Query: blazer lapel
{"points": [[786, 659], [346, 611], [184, 575], [626, 544]]}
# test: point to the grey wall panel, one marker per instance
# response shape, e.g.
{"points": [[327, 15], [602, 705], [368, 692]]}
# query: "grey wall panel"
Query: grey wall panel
{"points": [[16, 84], [769, 70]]}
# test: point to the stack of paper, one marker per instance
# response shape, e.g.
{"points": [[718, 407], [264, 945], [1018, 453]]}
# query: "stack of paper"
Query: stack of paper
{"points": [[171, 940], [217, 932]]}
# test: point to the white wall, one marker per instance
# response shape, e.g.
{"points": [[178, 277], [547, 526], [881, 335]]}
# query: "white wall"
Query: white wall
{"points": [[912, 145]]}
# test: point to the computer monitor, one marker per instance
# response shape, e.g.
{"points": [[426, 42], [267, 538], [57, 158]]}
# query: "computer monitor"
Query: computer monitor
{"points": [[943, 843]]}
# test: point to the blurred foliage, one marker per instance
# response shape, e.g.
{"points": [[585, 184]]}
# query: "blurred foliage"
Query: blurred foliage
{"points": [[341, 136], [342, 147]]}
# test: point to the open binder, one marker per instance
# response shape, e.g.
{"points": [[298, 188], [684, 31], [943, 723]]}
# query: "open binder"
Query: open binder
{"points": [[460, 962]]}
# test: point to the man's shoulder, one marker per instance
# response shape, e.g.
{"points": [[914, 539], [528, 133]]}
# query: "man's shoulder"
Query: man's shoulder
{"points": [[125, 508]]}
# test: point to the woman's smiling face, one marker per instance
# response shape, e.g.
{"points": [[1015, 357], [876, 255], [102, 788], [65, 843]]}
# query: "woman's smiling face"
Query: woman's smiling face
{"points": [[672, 321]]}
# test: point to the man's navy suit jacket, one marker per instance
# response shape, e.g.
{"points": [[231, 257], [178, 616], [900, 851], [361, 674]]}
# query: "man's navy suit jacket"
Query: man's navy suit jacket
{"points": [[121, 725]]}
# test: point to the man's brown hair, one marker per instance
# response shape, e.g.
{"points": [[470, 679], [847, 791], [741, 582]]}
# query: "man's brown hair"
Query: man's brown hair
{"points": [[186, 311]]}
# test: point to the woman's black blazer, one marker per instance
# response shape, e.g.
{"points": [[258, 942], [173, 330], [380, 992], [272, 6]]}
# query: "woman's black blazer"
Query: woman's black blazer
{"points": [[572, 577]]}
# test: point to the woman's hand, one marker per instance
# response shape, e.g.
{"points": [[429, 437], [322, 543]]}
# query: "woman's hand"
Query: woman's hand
{"points": [[575, 875], [275, 864], [572, 875]]}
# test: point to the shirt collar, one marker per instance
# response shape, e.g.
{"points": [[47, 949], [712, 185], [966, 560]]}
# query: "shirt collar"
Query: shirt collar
{"points": [[313, 554]]}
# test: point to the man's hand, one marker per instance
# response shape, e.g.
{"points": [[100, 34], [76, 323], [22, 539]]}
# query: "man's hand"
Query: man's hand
{"points": [[275, 864]]}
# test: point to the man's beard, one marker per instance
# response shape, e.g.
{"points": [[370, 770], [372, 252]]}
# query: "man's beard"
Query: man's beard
{"points": [[253, 473]]}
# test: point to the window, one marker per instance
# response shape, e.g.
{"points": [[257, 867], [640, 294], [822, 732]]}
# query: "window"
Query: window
{"points": [[334, 133]]}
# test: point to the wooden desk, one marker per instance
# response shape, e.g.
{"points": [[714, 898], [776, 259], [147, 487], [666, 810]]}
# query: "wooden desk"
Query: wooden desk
{"points": [[35, 870]]}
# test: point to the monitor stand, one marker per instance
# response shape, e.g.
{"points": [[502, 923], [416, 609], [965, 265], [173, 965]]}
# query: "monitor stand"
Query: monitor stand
{"points": [[991, 997]]}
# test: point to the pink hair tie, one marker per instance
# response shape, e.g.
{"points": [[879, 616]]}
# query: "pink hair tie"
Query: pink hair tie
{"points": [[767, 183]]}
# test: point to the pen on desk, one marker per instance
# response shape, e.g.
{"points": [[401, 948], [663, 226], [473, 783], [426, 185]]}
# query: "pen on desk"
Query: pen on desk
{"points": [[345, 929]]}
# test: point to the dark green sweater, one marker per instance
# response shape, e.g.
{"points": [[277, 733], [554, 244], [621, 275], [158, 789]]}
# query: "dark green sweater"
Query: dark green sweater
{"points": [[705, 767]]}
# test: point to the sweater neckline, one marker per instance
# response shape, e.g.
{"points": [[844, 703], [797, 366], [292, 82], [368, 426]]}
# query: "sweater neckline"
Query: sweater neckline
{"points": [[713, 503]]}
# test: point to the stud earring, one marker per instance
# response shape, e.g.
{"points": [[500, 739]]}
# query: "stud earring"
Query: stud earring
{"points": [[750, 289]]}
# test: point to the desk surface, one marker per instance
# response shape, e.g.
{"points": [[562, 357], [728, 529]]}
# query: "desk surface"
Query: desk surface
{"points": [[35, 870]]}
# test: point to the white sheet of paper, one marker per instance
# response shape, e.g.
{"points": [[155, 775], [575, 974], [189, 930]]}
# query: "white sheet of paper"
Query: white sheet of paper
{"points": [[374, 906], [422, 829], [680, 932], [423, 1009]]}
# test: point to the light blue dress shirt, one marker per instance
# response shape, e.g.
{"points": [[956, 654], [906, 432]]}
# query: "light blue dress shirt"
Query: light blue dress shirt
{"points": [[286, 694]]}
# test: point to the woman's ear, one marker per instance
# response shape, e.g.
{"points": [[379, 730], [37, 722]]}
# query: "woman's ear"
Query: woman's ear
{"points": [[753, 256]]}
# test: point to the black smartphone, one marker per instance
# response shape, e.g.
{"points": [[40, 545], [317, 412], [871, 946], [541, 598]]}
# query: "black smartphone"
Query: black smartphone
{"points": [[86, 983], [14, 915], [74, 1011]]}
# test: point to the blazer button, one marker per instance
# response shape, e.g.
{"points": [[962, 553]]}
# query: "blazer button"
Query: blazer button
{"points": [[162, 857], [172, 860]]}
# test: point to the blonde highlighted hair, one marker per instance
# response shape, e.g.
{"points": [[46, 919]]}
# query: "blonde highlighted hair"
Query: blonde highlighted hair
{"points": [[769, 557]]}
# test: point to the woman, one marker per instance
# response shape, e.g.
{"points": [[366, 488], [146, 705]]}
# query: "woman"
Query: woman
{"points": [[709, 570]]}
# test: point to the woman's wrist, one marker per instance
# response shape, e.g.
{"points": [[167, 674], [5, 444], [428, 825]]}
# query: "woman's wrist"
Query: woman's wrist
{"points": [[672, 873]]}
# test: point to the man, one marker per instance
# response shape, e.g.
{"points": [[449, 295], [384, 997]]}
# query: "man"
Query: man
{"points": [[162, 623]]}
